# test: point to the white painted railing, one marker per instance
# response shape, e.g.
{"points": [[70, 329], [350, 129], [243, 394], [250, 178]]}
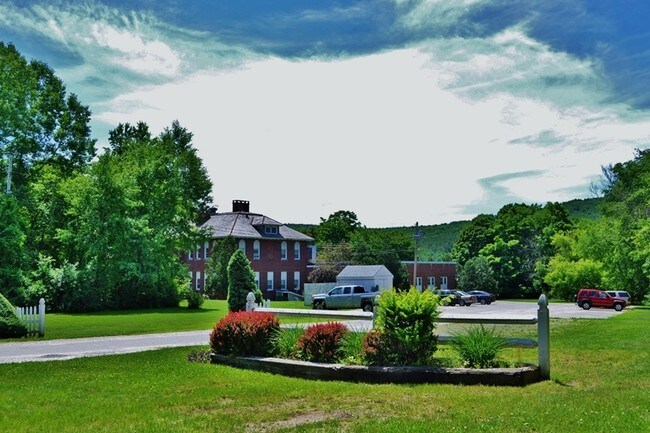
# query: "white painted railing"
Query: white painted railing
{"points": [[33, 317]]}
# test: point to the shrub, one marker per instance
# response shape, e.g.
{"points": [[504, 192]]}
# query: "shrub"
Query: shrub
{"points": [[10, 325], [194, 299], [285, 343], [404, 329], [478, 347], [244, 334], [321, 342]]}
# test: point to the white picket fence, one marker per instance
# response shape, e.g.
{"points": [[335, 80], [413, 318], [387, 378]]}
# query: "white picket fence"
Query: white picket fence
{"points": [[33, 317]]}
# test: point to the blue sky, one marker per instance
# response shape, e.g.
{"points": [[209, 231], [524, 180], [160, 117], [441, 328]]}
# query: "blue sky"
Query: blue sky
{"points": [[401, 111]]}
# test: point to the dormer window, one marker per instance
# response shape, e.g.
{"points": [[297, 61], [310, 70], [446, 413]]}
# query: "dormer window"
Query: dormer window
{"points": [[271, 230]]}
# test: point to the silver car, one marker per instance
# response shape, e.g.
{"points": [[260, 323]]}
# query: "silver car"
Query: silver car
{"points": [[620, 294]]}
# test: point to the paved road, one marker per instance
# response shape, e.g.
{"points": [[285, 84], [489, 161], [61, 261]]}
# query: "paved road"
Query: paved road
{"points": [[80, 347]]}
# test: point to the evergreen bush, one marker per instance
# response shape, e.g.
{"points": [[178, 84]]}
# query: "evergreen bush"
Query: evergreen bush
{"points": [[241, 280], [10, 325]]}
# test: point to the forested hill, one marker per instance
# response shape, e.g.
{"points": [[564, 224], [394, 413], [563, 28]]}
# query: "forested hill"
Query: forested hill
{"points": [[438, 239]]}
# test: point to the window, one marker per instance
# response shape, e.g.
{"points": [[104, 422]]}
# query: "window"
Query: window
{"points": [[283, 280], [191, 278], [296, 251], [198, 281], [283, 251], [296, 280], [256, 250], [206, 253], [190, 255], [418, 282], [347, 290], [336, 291], [257, 280], [271, 230], [432, 281], [359, 289], [443, 282], [269, 281], [242, 245], [198, 252]]}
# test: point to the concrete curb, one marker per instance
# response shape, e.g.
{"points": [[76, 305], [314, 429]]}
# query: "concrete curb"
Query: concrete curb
{"points": [[371, 374]]}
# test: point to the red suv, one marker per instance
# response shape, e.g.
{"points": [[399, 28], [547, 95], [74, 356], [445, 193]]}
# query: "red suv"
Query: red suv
{"points": [[588, 298]]}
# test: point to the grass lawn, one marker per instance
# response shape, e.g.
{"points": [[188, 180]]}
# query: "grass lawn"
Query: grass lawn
{"points": [[600, 380], [129, 322]]}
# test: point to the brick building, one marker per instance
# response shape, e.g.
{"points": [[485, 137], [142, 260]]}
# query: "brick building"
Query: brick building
{"points": [[441, 275], [280, 256]]}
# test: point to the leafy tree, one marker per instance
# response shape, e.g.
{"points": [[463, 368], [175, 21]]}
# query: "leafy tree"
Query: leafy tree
{"points": [[477, 274], [12, 240], [130, 214], [241, 281], [567, 277], [39, 123], [473, 237], [388, 249], [337, 228], [216, 271]]}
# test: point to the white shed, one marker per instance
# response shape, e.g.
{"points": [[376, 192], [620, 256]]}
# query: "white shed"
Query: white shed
{"points": [[371, 276]]}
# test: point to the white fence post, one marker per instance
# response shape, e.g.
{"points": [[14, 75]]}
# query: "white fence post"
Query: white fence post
{"points": [[543, 337], [41, 317], [33, 317]]}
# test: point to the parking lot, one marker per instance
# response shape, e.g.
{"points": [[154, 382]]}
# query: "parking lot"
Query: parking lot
{"points": [[517, 309]]}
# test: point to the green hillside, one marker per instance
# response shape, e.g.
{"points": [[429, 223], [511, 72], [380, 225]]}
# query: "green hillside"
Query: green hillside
{"points": [[438, 239]]}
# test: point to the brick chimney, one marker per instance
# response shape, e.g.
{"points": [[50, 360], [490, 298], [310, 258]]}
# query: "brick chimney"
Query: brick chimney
{"points": [[240, 206]]}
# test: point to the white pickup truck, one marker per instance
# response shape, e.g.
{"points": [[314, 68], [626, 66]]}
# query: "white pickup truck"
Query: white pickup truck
{"points": [[345, 297]]}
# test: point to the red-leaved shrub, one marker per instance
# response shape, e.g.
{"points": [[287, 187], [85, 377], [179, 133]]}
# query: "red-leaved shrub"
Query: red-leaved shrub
{"points": [[320, 342], [244, 334]]}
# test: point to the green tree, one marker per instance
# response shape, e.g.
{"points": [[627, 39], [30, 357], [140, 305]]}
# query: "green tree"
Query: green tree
{"points": [[476, 274], [337, 228], [369, 247], [39, 123], [216, 271], [567, 277], [130, 215], [472, 238], [12, 240], [241, 281]]}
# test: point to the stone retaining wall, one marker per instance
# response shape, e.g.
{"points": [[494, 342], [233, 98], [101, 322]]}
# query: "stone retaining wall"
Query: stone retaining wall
{"points": [[370, 374]]}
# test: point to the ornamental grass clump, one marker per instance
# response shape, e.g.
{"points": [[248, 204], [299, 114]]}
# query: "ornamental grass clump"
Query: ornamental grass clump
{"points": [[478, 347], [404, 329], [321, 342], [285, 341], [245, 334]]}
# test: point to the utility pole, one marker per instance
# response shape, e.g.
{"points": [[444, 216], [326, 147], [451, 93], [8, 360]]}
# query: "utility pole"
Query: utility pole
{"points": [[416, 236]]}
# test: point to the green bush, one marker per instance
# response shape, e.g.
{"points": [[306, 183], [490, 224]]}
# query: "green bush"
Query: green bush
{"points": [[404, 329], [321, 342], [194, 299], [241, 281], [478, 347], [10, 325], [244, 334]]}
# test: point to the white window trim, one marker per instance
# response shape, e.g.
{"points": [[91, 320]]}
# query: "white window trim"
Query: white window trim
{"points": [[296, 251], [269, 281], [257, 250], [283, 251]]}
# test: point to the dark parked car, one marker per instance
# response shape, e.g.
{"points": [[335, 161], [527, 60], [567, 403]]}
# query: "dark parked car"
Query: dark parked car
{"points": [[483, 297], [465, 298], [448, 296]]}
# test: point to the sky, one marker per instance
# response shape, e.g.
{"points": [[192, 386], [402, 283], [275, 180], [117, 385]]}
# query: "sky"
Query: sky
{"points": [[399, 111]]}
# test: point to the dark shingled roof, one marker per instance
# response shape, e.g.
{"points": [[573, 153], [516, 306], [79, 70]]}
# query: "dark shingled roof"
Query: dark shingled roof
{"points": [[250, 226]]}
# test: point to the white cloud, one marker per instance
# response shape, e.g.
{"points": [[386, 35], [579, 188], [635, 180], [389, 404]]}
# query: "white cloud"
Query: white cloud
{"points": [[377, 135]]}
